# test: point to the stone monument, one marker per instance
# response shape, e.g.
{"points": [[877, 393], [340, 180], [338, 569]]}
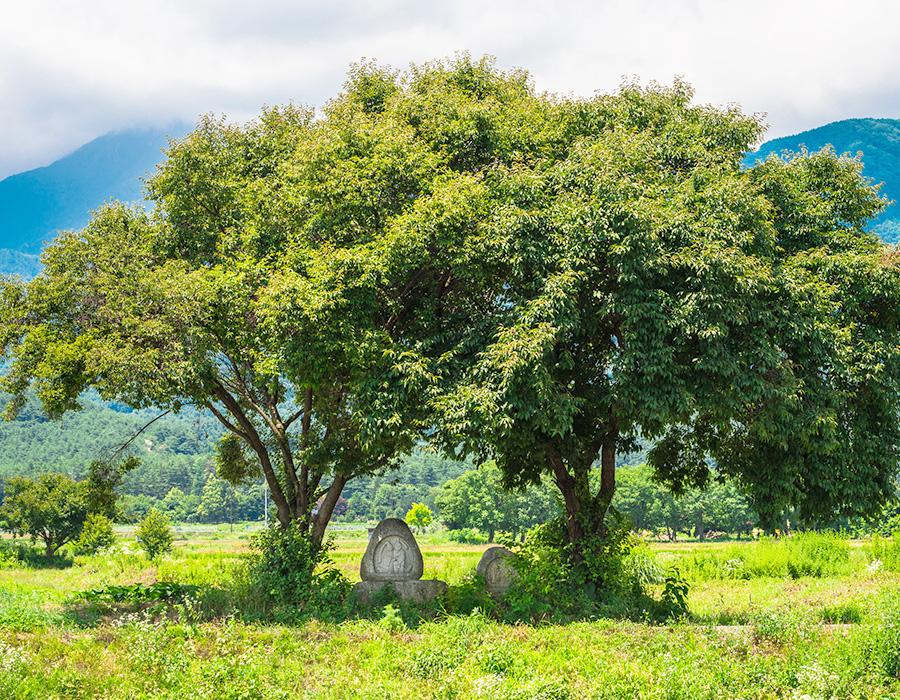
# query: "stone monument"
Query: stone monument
{"points": [[496, 570], [393, 559]]}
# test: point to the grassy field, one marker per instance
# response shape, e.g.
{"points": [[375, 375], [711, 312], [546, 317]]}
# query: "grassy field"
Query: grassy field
{"points": [[835, 634]]}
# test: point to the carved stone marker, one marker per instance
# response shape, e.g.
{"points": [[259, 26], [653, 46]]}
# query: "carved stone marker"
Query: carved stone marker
{"points": [[496, 570], [393, 559], [392, 554]]}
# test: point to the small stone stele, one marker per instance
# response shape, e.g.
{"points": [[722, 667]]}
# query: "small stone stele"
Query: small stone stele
{"points": [[496, 570], [393, 559], [392, 554]]}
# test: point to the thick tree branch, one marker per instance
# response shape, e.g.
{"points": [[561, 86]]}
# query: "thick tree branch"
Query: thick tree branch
{"points": [[252, 436]]}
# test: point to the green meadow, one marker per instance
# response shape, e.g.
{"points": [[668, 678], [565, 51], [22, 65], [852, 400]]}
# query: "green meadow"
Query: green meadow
{"points": [[813, 617]]}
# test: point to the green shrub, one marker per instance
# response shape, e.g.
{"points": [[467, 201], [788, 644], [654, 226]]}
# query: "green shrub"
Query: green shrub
{"points": [[391, 619], [674, 599], [291, 577], [467, 535], [154, 534], [162, 591], [96, 534], [469, 595], [613, 579]]}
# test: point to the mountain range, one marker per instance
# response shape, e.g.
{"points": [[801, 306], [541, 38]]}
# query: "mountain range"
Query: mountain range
{"points": [[36, 204]]}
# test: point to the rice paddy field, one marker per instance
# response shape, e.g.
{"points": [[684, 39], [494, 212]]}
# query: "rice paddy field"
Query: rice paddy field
{"points": [[814, 618]]}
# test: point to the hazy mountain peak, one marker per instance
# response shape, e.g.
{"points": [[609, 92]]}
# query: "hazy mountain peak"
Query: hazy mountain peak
{"points": [[35, 204]]}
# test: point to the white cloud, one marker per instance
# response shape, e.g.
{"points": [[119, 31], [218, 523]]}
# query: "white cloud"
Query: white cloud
{"points": [[71, 70]]}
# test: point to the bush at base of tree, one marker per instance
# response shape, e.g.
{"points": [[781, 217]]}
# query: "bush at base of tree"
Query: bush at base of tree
{"points": [[287, 576], [154, 534], [96, 534], [613, 580]]}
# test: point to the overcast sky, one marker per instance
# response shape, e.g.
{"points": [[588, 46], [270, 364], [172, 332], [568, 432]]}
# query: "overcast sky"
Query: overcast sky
{"points": [[70, 71]]}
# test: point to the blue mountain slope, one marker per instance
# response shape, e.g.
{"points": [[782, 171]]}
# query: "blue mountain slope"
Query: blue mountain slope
{"points": [[34, 205], [879, 142]]}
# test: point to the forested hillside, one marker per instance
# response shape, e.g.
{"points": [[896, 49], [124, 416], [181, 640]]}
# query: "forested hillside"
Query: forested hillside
{"points": [[173, 450], [176, 460]]}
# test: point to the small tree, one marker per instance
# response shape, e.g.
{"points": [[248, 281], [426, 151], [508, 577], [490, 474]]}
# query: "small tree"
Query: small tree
{"points": [[52, 508], [218, 502], [419, 516], [96, 534], [154, 534]]}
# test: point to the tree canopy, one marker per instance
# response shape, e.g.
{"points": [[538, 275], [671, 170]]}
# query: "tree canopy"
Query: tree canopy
{"points": [[53, 507], [449, 254]]}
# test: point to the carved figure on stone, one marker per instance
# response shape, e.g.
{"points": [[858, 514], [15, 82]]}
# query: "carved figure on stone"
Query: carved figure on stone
{"points": [[393, 558]]}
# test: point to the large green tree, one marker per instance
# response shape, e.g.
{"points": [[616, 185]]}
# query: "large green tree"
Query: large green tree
{"points": [[297, 277], [544, 279], [650, 288]]}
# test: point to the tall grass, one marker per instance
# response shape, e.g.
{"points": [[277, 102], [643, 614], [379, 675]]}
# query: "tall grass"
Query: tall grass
{"points": [[886, 551], [815, 554]]}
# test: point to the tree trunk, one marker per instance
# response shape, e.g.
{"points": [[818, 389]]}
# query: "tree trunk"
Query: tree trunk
{"points": [[320, 522], [585, 513]]}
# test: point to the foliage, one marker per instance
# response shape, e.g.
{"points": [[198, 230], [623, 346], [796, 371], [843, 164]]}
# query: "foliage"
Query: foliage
{"points": [[419, 516], [477, 500], [154, 534], [263, 288], [716, 508], [161, 591], [877, 139], [674, 598], [391, 620], [642, 284], [467, 535], [53, 507], [104, 479], [815, 554], [291, 576], [96, 535], [233, 463], [218, 502], [614, 579]]}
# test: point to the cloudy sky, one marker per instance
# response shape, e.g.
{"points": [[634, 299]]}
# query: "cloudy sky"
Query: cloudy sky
{"points": [[70, 71]]}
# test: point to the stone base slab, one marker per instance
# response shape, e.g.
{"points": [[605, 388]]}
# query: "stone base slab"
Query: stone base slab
{"points": [[415, 591]]}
